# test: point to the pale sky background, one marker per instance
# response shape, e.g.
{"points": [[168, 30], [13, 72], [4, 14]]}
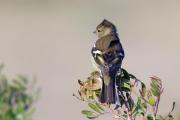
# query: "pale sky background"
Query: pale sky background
{"points": [[53, 39]]}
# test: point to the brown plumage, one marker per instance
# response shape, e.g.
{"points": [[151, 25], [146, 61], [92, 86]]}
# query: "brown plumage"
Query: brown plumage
{"points": [[108, 54], [103, 43]]}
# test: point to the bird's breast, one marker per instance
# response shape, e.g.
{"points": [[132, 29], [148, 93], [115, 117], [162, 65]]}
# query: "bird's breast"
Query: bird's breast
{"points": [[104, 43]]}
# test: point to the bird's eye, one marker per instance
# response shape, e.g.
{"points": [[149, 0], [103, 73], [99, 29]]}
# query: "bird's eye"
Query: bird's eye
{"points": [[99, 31]]}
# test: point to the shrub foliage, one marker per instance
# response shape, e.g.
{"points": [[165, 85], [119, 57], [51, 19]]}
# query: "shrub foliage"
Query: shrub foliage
{"points": [[137, 101], [17, 97]]}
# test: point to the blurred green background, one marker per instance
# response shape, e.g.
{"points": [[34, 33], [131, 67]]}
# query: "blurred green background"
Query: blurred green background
{"points": [[17, 97]]}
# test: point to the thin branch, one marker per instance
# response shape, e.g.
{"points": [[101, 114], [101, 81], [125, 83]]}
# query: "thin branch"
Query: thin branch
{"points": [[157, 106]]}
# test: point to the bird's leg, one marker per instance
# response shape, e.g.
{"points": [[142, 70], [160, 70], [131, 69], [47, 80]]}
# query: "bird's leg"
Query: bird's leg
{"points": [[106, 67]]}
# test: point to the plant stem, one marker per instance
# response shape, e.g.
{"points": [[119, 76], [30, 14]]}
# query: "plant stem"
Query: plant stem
{"points": [[157, 106]]}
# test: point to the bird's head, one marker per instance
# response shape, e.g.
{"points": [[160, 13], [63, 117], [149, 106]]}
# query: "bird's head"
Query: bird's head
{"points": [[105, 28]]}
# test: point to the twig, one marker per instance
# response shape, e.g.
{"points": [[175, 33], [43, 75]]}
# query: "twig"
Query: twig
{"points": [[112, 111], [157, 106]]}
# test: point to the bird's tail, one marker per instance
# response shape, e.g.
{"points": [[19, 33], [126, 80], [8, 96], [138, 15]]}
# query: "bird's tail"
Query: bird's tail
{"points": [[109, 91]]}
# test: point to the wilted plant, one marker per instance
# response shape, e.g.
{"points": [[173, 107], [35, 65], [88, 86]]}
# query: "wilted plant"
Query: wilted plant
{"points": [[17, 97], [137, 101]]}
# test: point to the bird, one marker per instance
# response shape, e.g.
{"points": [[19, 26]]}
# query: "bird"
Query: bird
{"points": [[108, 55]]}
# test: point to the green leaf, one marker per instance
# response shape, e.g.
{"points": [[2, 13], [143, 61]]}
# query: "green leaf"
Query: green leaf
{"points": [[170, 117], [87, 112], [143, 89], [131, 103], [139, 112], [98, 92], [139, 109], [125, 74], [151, 101], [99, 106], [94, 107], [156, 86], [124, 80], [132, 76], [92, 117], [150, 117], [155, 92], [126, 85], [173, 106], [144, 105]]}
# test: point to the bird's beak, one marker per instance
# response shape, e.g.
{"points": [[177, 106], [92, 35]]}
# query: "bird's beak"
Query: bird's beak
{"points": [[94, 32]]}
